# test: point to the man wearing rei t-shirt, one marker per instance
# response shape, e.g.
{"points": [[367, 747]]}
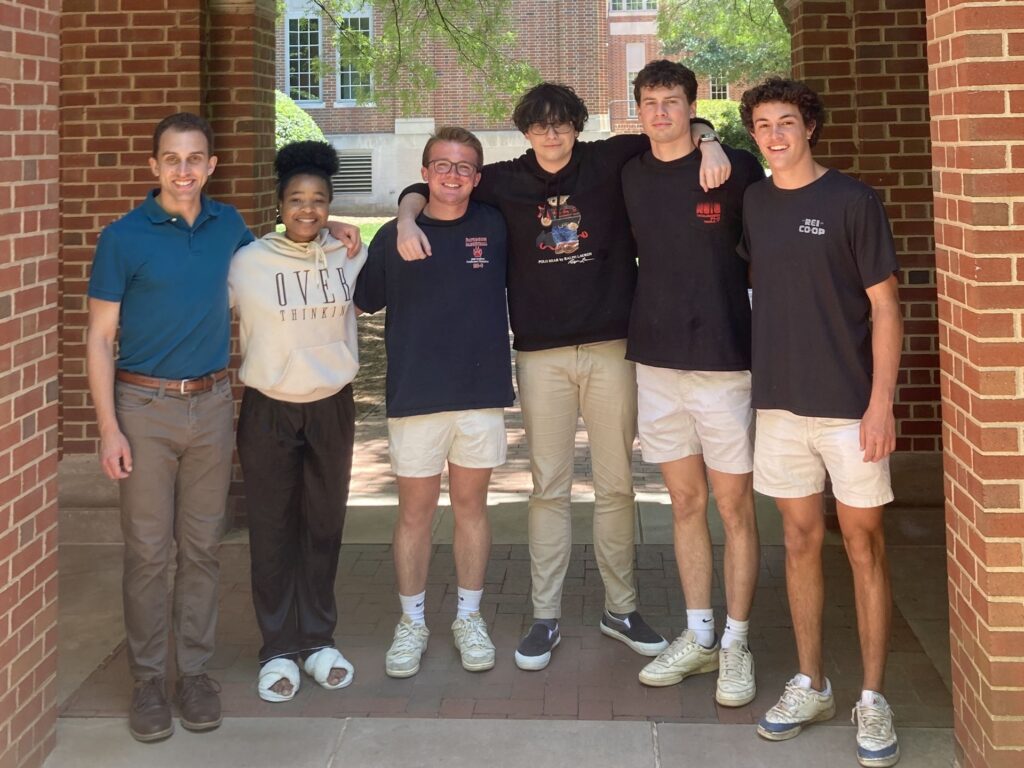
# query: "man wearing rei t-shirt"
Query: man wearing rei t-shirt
{"points": [[826, 346], [689, 335], [449, 378], [572, 271]]}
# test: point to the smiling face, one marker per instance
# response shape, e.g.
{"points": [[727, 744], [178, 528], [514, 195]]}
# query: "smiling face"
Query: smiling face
{"points": [[665, 116], [182, 164], [450, 189], [783, 137], [304, 206]]}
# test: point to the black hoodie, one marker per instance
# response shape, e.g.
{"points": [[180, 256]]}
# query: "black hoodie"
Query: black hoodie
{"points": [[572, 258]]}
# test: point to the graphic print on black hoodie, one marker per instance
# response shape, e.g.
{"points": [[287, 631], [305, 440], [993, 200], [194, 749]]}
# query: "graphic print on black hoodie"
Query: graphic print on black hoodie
{"points": [[562, 232]]}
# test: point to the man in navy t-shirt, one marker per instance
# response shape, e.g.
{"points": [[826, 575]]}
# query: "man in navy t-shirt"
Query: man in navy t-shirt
{"points": [[449, 379], [826, 350]]}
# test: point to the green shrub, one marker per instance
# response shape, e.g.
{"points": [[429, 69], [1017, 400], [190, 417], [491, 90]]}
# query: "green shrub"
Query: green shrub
{"points": [[725, 116], [292, 123]]}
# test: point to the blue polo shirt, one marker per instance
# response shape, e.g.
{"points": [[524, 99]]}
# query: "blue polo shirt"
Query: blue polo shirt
{"points": [[172, 283]]}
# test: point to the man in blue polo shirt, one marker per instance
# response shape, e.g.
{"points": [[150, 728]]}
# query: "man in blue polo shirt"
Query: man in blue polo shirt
{"points": [[165, 414]]}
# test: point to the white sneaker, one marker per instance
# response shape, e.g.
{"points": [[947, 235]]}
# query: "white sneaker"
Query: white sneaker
{"points": [[684, 657], [876, 738], [798, 707], [471, 639], [403, 659], [736, 685]]}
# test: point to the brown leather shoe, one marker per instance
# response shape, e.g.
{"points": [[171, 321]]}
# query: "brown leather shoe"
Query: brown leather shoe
{"points": [[199, 702], [149, 718]]}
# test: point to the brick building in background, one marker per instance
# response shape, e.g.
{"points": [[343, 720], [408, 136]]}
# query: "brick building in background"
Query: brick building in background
{"points": [[926, 103], [596, 46]]}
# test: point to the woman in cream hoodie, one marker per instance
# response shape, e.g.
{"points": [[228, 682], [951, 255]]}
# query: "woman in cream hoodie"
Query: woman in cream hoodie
{"points": [[293, 292]]}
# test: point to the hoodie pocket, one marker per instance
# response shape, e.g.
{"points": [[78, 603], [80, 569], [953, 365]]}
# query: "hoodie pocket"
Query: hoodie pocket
{"points": [[327, 366]]}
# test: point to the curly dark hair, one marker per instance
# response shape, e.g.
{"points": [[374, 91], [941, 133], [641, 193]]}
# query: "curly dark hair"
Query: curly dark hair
{"points": [[794, 92], [316, 158], [550, 103], [665, 74]]}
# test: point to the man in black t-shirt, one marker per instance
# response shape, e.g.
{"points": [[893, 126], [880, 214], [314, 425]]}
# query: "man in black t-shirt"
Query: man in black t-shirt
{"points": [[689, 335], [826, 352], [449, 378], [572, 271]]}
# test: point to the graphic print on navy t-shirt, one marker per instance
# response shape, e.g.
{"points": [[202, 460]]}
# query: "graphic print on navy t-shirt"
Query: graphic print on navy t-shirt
{"points": [[562, 232], [478, 257], [709, 212]]}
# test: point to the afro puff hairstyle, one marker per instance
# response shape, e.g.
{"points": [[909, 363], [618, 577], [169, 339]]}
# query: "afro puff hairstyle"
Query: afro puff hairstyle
{"points": [[316, 158]]}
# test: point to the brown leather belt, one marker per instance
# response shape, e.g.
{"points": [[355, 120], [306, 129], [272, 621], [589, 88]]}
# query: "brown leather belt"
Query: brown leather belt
{"points": [[181, 386]]}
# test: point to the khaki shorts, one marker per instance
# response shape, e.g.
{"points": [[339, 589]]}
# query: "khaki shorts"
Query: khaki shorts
{"points": [[420, 445], [793, 453], [687, 413]]}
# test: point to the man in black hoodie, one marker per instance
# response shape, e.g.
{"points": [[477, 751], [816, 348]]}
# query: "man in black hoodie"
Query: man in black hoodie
{"points": [[571, 275]]}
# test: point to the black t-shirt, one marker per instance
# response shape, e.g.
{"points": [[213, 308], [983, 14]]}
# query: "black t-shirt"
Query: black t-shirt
{"points": [[813, 252], [572, 259], [691, 310], [446, 329]]}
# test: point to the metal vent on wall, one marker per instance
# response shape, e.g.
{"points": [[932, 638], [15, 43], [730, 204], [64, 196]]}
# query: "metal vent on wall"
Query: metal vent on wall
{"points": [[355, 173]]}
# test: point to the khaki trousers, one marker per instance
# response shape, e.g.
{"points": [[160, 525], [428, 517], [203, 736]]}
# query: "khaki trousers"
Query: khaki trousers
{"points": [[177, 492], [555, 386]]}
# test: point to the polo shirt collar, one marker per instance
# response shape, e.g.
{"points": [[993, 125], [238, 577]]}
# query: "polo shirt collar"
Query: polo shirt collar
{"points": [[156, 214]]}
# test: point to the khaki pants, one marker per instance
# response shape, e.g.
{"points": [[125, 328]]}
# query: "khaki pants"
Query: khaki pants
{"points": [[177, 492], [555, 386]]}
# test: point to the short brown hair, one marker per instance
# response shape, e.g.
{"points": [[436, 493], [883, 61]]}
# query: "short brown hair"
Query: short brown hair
{"points": [[183, 122], [666, 74], [457, 135], [794, 92]]}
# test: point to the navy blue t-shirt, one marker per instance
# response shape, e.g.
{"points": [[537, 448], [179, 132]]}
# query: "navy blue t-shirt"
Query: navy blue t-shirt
{"points": [[446, 329], [172, 283]]}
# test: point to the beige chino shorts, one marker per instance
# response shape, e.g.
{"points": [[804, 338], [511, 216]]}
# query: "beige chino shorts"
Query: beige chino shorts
{"points": [[420, 445]]}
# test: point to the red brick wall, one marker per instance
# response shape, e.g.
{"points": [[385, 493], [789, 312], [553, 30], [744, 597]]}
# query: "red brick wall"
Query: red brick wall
{"points": [[564, 41], [976, 58], [868, 61], [125, 64], [29, 49]]}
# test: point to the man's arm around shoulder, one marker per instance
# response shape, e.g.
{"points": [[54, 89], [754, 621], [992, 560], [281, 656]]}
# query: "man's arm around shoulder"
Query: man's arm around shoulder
{"points": [[115, 453], [878, 425]]}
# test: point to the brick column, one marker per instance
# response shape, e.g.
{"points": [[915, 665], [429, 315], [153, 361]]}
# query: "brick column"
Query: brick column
{"points": [[976, 74], [868, 60], [29, 74], [125, 64]]}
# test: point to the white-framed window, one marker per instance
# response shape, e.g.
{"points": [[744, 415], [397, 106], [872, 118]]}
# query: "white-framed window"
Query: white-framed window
{"points": [[627, 6], [718, 88], [354, 86], [636, 57], [303, 33]]}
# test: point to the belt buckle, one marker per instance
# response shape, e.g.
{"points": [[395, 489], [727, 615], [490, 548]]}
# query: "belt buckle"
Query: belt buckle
{"points": [[181, 386]]}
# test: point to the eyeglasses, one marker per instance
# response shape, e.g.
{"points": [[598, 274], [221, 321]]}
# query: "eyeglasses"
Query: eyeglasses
{"points": [[445, 166], [540, 129]]}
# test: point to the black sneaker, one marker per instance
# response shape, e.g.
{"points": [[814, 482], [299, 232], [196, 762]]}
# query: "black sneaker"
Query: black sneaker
{"points": [[635, 633], [534, 651]]}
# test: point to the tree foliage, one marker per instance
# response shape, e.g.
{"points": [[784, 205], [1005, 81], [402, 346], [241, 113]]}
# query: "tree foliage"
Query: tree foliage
{"points": [[725, 116], [400, 55], [292, 123], [733, 39]]}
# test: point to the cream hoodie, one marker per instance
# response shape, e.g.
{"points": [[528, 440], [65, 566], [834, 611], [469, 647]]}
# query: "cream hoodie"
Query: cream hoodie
{"points": [[297, 321]]}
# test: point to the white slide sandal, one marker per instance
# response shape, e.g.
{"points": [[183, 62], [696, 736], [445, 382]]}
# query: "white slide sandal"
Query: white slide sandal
{"points": [[319, 666], [273, 672]]}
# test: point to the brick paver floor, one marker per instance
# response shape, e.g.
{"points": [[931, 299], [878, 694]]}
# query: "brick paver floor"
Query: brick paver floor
{"points": [[590, 677]]}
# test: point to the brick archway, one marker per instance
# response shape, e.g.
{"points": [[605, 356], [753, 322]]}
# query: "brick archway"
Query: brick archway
{"points": [[926, 102]]}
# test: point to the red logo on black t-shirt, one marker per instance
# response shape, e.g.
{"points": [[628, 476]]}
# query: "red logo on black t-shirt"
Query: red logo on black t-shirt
{"points": [[709, 213], [476, 246]]}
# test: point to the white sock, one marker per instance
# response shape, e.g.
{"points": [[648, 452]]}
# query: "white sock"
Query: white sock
{"points": [[702, 622], [735, 631], [804, 681], [413, 606], [469, 602], [868, 697]]}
